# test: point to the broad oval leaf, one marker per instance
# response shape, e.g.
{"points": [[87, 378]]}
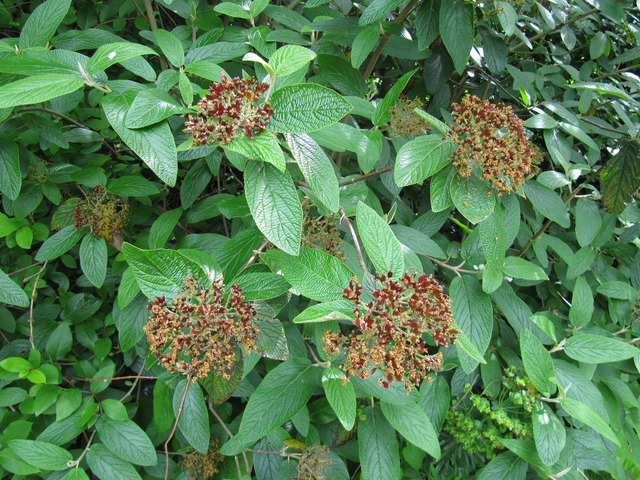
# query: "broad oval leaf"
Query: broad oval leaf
{"points": [[152, 106], [549, 434], [383, 248], [582, 412], [590, 348], [112, 53], [93, 259], [44, 455], [547, 202], [471, 197], [537, 362], [59, 244], [341, 396], [420, 158], [414, 425], [378, 447], [106, 465], [194, 417], [127, 440], [456, 29], [41, 88], [11, 293]]}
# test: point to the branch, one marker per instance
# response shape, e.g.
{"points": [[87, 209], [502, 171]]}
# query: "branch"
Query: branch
{"points": [[33, 294], [151, 17], [228, 432], [173, 430], [355, 239], [364, 177]]}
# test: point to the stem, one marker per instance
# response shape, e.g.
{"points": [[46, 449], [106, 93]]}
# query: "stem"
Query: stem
{"points": [[75, 463], [343, 216], [461, 225], [135, 382], [128, 377], [24, 268], [33, 294], [456, 269], [151, 17], [175, 425], [364, 177], [228, 432], [617, 72]]}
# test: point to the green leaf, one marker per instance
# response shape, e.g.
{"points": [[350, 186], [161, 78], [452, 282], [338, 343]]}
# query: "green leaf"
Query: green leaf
{"points": [[59, 244], [547, 202], [505, 466], [341, 74], [579, 134], [263, 147], [619, 290], [383, 248], [280, 395], [151, 106], [541, 120], [581, 304], [27, 91], [583, 413], [473, 314], [161, 272], [60, 341], [163, 227], [377, 10], [163, 417], [272, 341], [127, 440], [537, 362], [171, 47], [10, 175], [549, 434], [420, 158], [396, 393], [262, 285], [11, 293], [590, 348], [517, 267], [316, 274], [43, 23], [232, 10], [363, 45], [340, 395], [494, 245], [588, 221], [194, 418], [602, 88], [44, 455], [427, 23], [106, 465], [414, 425], [471, 197], [378, 447], [305, 108], [382, 114], [113, 53], [132, 186], [508, 17], [155, 144], [418, 241], [289, 59], [326, 311], [77, 474], [621, 177], [93, 259], [114, 409], [456, 30], [317, 169], [218, 387], [12, 395], [274, 204]]}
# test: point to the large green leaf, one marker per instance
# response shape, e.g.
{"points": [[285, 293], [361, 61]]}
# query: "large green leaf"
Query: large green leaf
{"points": [[471, 197], [194, 417], [46, 456], [93, 259], [363, 45], [549, 434], [384, 249], [427, 23], [517, 267], [621, 178], [274, 204], [162, 272], [382, 114], [11, 293], [588, 221], [590, 348], [581, 304], [290, 58], [341, 396], [280, 395], [494, 246], [59, 244], [378, 447], [341, 74], [583, 413], [456, 30], [154, 144], [473, 313], [547, 202], [326, 311], [42, 23], [152, 106], [112, 53], [305, 108], [414, 425], [263, 147], [420, 158], [27, 91], [316, 274], [127, 440], [505, 466], [262, 285], [10, 175], [317, 169], [106, 465], [537, 362], [171, 46]]}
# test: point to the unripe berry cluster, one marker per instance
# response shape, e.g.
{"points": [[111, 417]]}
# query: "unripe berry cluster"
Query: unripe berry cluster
{"points": [[389, 330], [201, 330], [101, 213], [313, 463], [405, 121], [493, 144], [228, 109]]}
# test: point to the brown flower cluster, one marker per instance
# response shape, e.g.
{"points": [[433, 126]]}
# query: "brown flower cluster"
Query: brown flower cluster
{"points": [[405, 121], [493, 144], [201, 330], [313, 463], [200, 465], [229, 108], [322, 233], [102, 213], [388, 334]]}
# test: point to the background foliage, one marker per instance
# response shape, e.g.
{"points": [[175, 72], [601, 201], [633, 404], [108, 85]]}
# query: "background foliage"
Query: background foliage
{"points": [[543, 281]]}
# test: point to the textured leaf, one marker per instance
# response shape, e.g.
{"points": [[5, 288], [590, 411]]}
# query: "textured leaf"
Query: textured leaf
{"points": [[414, 425], [11, 293], [304, 108], [154, 144], [494, 245], [621, 177], [163, 227], [588, 221], [127, 440], [583, 413], [132, 186], [93, 259], [194, 418], [363, 45], [342, 75], [505, 466], [112, 53], [326, 311], [381, 114], [275, 206], [171, 47], [420, 158], [43, 23], [537, 362], [41, 454], [59, 244], [471, 197], [581, 304], [549, 434], [427, 23], [341, 397], [263, 147], [106, 465], [290, 58], [262, 285], [383, 248], [152, 106], [27, 91], [456, 29], [10, 175], [377, 10], [547, 202], [517, 267], [590, 348], [378, 447], [271, 342]]}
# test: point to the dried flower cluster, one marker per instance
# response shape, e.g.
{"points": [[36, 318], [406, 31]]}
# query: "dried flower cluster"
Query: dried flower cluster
{"points": [[493, 144], [322, 233], [313, 463], [388, 334], [102, 213], [200, 465], [229, 108], [405, 121], [201, 330]]}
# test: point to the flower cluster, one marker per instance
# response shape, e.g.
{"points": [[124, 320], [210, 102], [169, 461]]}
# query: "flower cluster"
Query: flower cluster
{"points": [[102, 213], [200, 465], [229, 108], [313, 463], [493, 143], [405, 121], [322, 232], [388, 334], [201, 330]]}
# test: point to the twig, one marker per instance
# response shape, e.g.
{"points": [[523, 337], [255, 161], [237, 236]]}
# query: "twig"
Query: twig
{"points": [[33, 294], [75, 463], [24, 268], [617, 72], [343, 216], [151, 17], [255, 255], [175, 425], [364, 177], [135, 382], [456, 269], [128, 377], [228, 432]]}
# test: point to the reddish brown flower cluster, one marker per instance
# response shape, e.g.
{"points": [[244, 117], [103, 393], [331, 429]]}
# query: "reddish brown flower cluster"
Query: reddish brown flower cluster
{"points": [[200, 465], [493, 143], [313, 463], [101, 213], [405, 121], [201, 330], [389, 330], [230, 107]]}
